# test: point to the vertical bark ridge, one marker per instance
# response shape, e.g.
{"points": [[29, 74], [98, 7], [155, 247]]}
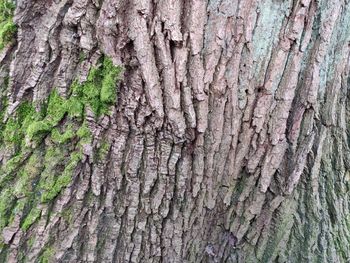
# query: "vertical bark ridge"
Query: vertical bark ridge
{"points": [[228, 141]]}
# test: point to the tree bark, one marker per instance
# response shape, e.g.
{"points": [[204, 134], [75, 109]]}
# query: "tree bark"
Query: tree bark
{"points": [[228, 140]]}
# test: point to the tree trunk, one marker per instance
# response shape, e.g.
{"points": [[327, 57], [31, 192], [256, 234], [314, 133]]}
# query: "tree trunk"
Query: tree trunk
{"points": [[175, 131]]}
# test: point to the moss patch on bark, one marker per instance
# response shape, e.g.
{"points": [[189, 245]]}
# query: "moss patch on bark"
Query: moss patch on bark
{"points": [[45, 147], [7, 27]]}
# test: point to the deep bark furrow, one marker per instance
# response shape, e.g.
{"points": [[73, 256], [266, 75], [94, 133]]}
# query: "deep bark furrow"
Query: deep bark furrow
{"points": [[228, 141]]}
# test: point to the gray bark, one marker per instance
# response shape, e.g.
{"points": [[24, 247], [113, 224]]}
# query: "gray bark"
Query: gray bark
{"points": [[228, 141]]}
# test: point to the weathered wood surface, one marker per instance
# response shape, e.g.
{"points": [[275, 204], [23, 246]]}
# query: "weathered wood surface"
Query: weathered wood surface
{"points": [[228, 141]]}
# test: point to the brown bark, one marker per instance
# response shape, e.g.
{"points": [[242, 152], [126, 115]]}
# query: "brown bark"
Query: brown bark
{"points": [[228, 141]]}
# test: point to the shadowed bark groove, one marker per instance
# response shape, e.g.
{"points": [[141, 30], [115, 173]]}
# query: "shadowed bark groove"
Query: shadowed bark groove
{"points": [[228, 141]]}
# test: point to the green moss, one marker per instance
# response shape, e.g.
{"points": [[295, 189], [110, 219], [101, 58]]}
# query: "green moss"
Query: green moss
{"points": [[19, 206], [3, 107], [37, 128], [47, 255], [84, 133], [13, 138], [100, 89], [31, 241], [108, 90], [75, 107], [56, 108], [20, 189], [7, 30], [10, 134], [6, 9], [62, 181], [6, 202], [31, 218], [64, 137], [53, 185], [103, 150], [34, 164], [75, 158], [26, 175], [53, 158], [16, 127], [62, 121], [26, 113], [12, 164], [82, 56], [98, 93], [67, 215], [7, 27]]}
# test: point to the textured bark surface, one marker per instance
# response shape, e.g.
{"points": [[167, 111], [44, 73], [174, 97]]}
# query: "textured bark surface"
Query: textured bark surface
{"points": [[228, 141]]}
